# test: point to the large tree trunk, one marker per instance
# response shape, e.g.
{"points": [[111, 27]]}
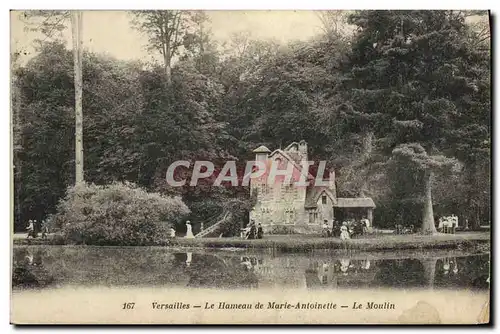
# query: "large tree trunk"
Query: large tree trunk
{"points": [[428, 226], [429, 271], [475, 223]]}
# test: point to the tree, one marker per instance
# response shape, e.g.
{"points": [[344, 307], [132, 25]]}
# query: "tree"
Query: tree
{"points": [[199, 46], [44, 131], [45, 160], [334, 23], [48, 23], [165, 30], [414, 68], [113, 102], [415, 154], [17, 132], [472, 132]]}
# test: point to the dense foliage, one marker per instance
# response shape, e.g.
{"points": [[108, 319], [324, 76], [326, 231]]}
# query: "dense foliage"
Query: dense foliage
{"points": [[400, 109], [117, 214]]}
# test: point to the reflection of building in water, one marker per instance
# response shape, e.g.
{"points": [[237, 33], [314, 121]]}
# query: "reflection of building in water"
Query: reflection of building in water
{"points": [[340, 273], [282, 272], [302, 272]]}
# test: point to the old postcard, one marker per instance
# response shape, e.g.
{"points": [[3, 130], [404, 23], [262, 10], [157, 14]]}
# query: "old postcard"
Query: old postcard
{"points": [[251, 167]]}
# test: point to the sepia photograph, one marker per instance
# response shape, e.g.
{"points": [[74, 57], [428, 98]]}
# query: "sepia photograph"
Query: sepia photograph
{"points": [[185, 167]]}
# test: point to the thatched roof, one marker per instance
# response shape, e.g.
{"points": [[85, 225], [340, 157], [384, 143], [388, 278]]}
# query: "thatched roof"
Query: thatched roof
{"points": [[365, 202]]}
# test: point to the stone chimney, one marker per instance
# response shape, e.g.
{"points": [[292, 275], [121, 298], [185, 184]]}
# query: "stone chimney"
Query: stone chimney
{"points": [[331, 181], [303, 149]]}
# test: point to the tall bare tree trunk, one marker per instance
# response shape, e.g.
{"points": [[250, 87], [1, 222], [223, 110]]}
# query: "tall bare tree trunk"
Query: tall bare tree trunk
{"points": [[168, 71], [77, 59], [428, 226], [17, 146], [167, 58]]}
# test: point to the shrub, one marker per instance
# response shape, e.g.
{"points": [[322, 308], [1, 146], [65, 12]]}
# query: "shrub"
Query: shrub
{"points": [[280, 229], [116, 214]]}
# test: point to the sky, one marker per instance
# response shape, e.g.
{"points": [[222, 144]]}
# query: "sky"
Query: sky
{"points": [[110, 31]]}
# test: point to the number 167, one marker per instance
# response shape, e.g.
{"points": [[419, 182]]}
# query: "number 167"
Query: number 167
{"points": [[128, 306]]}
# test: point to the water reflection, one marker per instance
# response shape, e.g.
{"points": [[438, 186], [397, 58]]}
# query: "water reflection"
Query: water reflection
{"points": [[38, 267], [28, 269]]}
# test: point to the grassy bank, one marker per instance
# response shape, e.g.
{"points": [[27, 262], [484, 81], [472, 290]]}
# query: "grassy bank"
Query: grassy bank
{"points": [[304, 243], [382, 242]]}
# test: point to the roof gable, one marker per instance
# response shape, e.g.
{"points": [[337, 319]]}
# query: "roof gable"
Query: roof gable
{"points": [[291, 145], [314, 193], [292, 161]]}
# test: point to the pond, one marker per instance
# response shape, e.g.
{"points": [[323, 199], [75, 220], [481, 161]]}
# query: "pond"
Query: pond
{"points": [[157, 285], [41, 267]]}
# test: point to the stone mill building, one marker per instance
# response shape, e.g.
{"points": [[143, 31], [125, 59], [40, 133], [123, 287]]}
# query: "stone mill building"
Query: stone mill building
{"points": [[285, 205]]}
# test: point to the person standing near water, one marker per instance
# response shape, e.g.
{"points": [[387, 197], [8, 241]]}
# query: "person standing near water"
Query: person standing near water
{"points": [[253, 231], [189, 231], [260, 232], [30, 229], [326, 230], [171, 232], [45, 229]]}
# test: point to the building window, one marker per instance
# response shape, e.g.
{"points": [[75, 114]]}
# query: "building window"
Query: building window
{"points": [[323, 199], [289, 216], [313, 216]]}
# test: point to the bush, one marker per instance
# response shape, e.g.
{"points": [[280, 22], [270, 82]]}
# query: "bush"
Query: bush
{"points": [[281, 229], [117, 214]]}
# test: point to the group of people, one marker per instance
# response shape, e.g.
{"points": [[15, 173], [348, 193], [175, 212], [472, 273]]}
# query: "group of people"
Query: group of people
{"points": [[32, 230], [448, 224], [252, 231], [401, 229], [346, 229]]}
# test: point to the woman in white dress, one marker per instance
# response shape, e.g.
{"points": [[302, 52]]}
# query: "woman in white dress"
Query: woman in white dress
{"points": [[189, 231], [344, 232]]}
